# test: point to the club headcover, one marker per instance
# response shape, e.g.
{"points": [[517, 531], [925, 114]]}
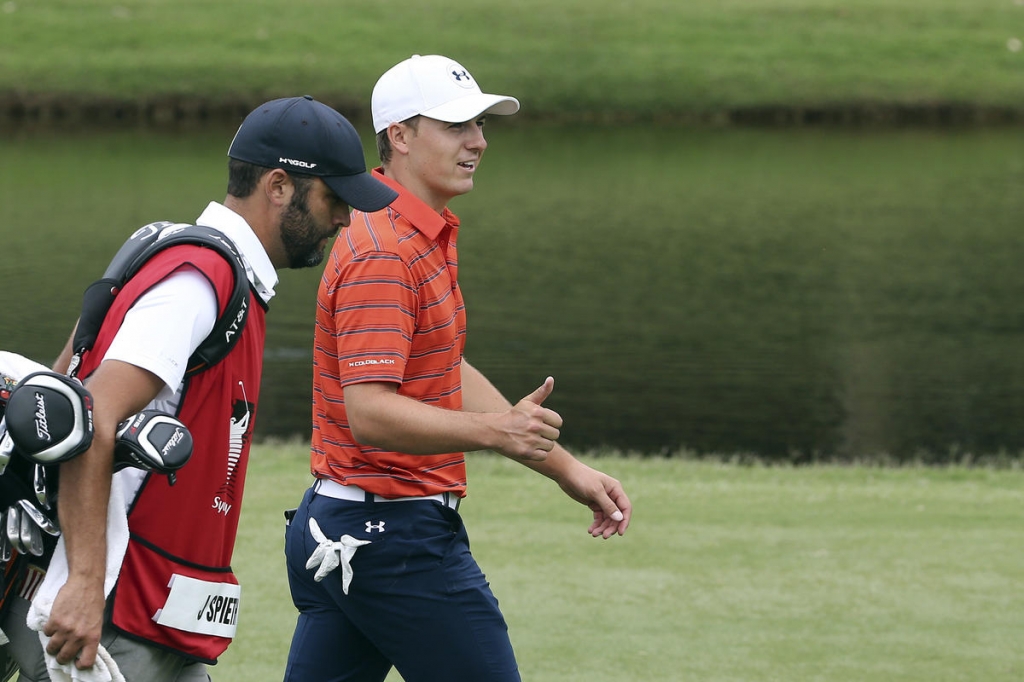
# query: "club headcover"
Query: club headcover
{"points": [[153, 441], [49, 417]]}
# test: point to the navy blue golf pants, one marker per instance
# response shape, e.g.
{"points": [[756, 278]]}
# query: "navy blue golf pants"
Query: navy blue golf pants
{"points": [[417, 601]]}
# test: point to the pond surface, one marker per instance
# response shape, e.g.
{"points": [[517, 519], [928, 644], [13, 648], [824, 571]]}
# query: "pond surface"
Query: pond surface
{"points": [[821, 292]]}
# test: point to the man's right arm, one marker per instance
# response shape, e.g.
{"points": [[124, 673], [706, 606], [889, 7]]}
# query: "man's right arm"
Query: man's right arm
{"points": [[375, 298], [380, 417], [76, 618], [144, 360]]}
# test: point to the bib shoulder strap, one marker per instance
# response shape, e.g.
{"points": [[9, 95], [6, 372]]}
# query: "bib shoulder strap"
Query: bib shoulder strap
{"points": [[129, 259]]}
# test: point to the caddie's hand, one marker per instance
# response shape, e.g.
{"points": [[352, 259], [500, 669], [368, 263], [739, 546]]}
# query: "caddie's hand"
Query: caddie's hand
{"points": [[531, 430], [75, 624]]}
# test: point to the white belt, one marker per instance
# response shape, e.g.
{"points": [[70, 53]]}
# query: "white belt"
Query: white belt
{"points": [[329, 488]]}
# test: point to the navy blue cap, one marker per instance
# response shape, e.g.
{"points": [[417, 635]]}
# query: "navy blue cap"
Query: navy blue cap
{"points": [[308, 137]]}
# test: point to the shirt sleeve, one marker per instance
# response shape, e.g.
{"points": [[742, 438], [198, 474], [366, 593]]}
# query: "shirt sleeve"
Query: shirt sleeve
{"points": [[374, 307], [166, 325]]}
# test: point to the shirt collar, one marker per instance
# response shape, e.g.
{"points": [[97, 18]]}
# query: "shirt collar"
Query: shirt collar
{"points": [[412, 208], [258, 267]]}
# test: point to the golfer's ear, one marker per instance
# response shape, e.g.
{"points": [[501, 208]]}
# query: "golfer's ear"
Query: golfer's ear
{"points": [[398, 135]]}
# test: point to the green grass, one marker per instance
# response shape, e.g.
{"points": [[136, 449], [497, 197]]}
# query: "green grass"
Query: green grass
{"points": [[593, 58], [728, 572]]}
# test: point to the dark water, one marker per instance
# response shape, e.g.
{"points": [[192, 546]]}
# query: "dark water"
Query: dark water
{"points": [[770, 292]]}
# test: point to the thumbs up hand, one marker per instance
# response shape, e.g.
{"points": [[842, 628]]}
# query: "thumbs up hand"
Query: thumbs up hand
{"points": [[530, 430]]}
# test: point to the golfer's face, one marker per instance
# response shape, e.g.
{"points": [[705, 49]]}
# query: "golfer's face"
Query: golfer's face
{"points": [[445, 156]]}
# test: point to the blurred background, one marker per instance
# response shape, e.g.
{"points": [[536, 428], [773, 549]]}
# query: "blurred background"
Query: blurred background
{"points": [[785, 229]]}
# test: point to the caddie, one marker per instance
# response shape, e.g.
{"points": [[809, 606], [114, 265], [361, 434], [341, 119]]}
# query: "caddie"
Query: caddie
{"points": [[295, 167]]}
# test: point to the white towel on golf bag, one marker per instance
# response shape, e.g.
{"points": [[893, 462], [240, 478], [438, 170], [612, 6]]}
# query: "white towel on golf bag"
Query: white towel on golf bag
{"points": [[105, 669], [18, 366]]}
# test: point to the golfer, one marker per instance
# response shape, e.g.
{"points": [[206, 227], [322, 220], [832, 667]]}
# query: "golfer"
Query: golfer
{"points": [[378, 557]]}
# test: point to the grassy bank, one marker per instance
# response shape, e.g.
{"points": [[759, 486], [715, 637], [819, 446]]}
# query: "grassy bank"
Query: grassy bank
{"points": [[728, 573], [603, 59]]}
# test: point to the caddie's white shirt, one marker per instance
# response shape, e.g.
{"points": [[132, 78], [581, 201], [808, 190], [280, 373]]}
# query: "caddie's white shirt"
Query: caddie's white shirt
{"points": [[149, 339], [261, 271], [168, 322]]}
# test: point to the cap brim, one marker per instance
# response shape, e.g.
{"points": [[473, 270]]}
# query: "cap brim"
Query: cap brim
{"points": [[361, 191], [469, 107]]}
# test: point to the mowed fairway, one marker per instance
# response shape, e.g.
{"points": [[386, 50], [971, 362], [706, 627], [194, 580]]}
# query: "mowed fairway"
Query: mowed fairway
{"points": [[727, 573]]}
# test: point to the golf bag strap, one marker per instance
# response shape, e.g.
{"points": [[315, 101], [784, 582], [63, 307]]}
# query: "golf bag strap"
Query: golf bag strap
{"points": [[146, 242]]}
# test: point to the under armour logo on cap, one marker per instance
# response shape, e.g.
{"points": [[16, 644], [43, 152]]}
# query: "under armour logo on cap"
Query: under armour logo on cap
{"points": [[461, 77]]}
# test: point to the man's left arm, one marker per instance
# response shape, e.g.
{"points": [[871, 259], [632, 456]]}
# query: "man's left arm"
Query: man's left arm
{"points": [[600, 492], [63, 361]]}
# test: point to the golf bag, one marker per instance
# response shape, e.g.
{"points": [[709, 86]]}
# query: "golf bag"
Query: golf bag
{"points": [[28, 527]]}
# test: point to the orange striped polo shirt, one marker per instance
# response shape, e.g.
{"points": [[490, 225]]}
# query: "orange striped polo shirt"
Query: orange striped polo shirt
{"points": [[389, 309]]}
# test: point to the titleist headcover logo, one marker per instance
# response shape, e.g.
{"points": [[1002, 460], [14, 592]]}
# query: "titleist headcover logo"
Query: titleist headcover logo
{"points": [[42, 428], [174, 440]]}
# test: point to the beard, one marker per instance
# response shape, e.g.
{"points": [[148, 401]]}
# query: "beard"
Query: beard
{"points": [[302, 235]]}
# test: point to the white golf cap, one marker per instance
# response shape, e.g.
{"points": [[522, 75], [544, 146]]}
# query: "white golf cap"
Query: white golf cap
{"points": [[432, 86]]}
